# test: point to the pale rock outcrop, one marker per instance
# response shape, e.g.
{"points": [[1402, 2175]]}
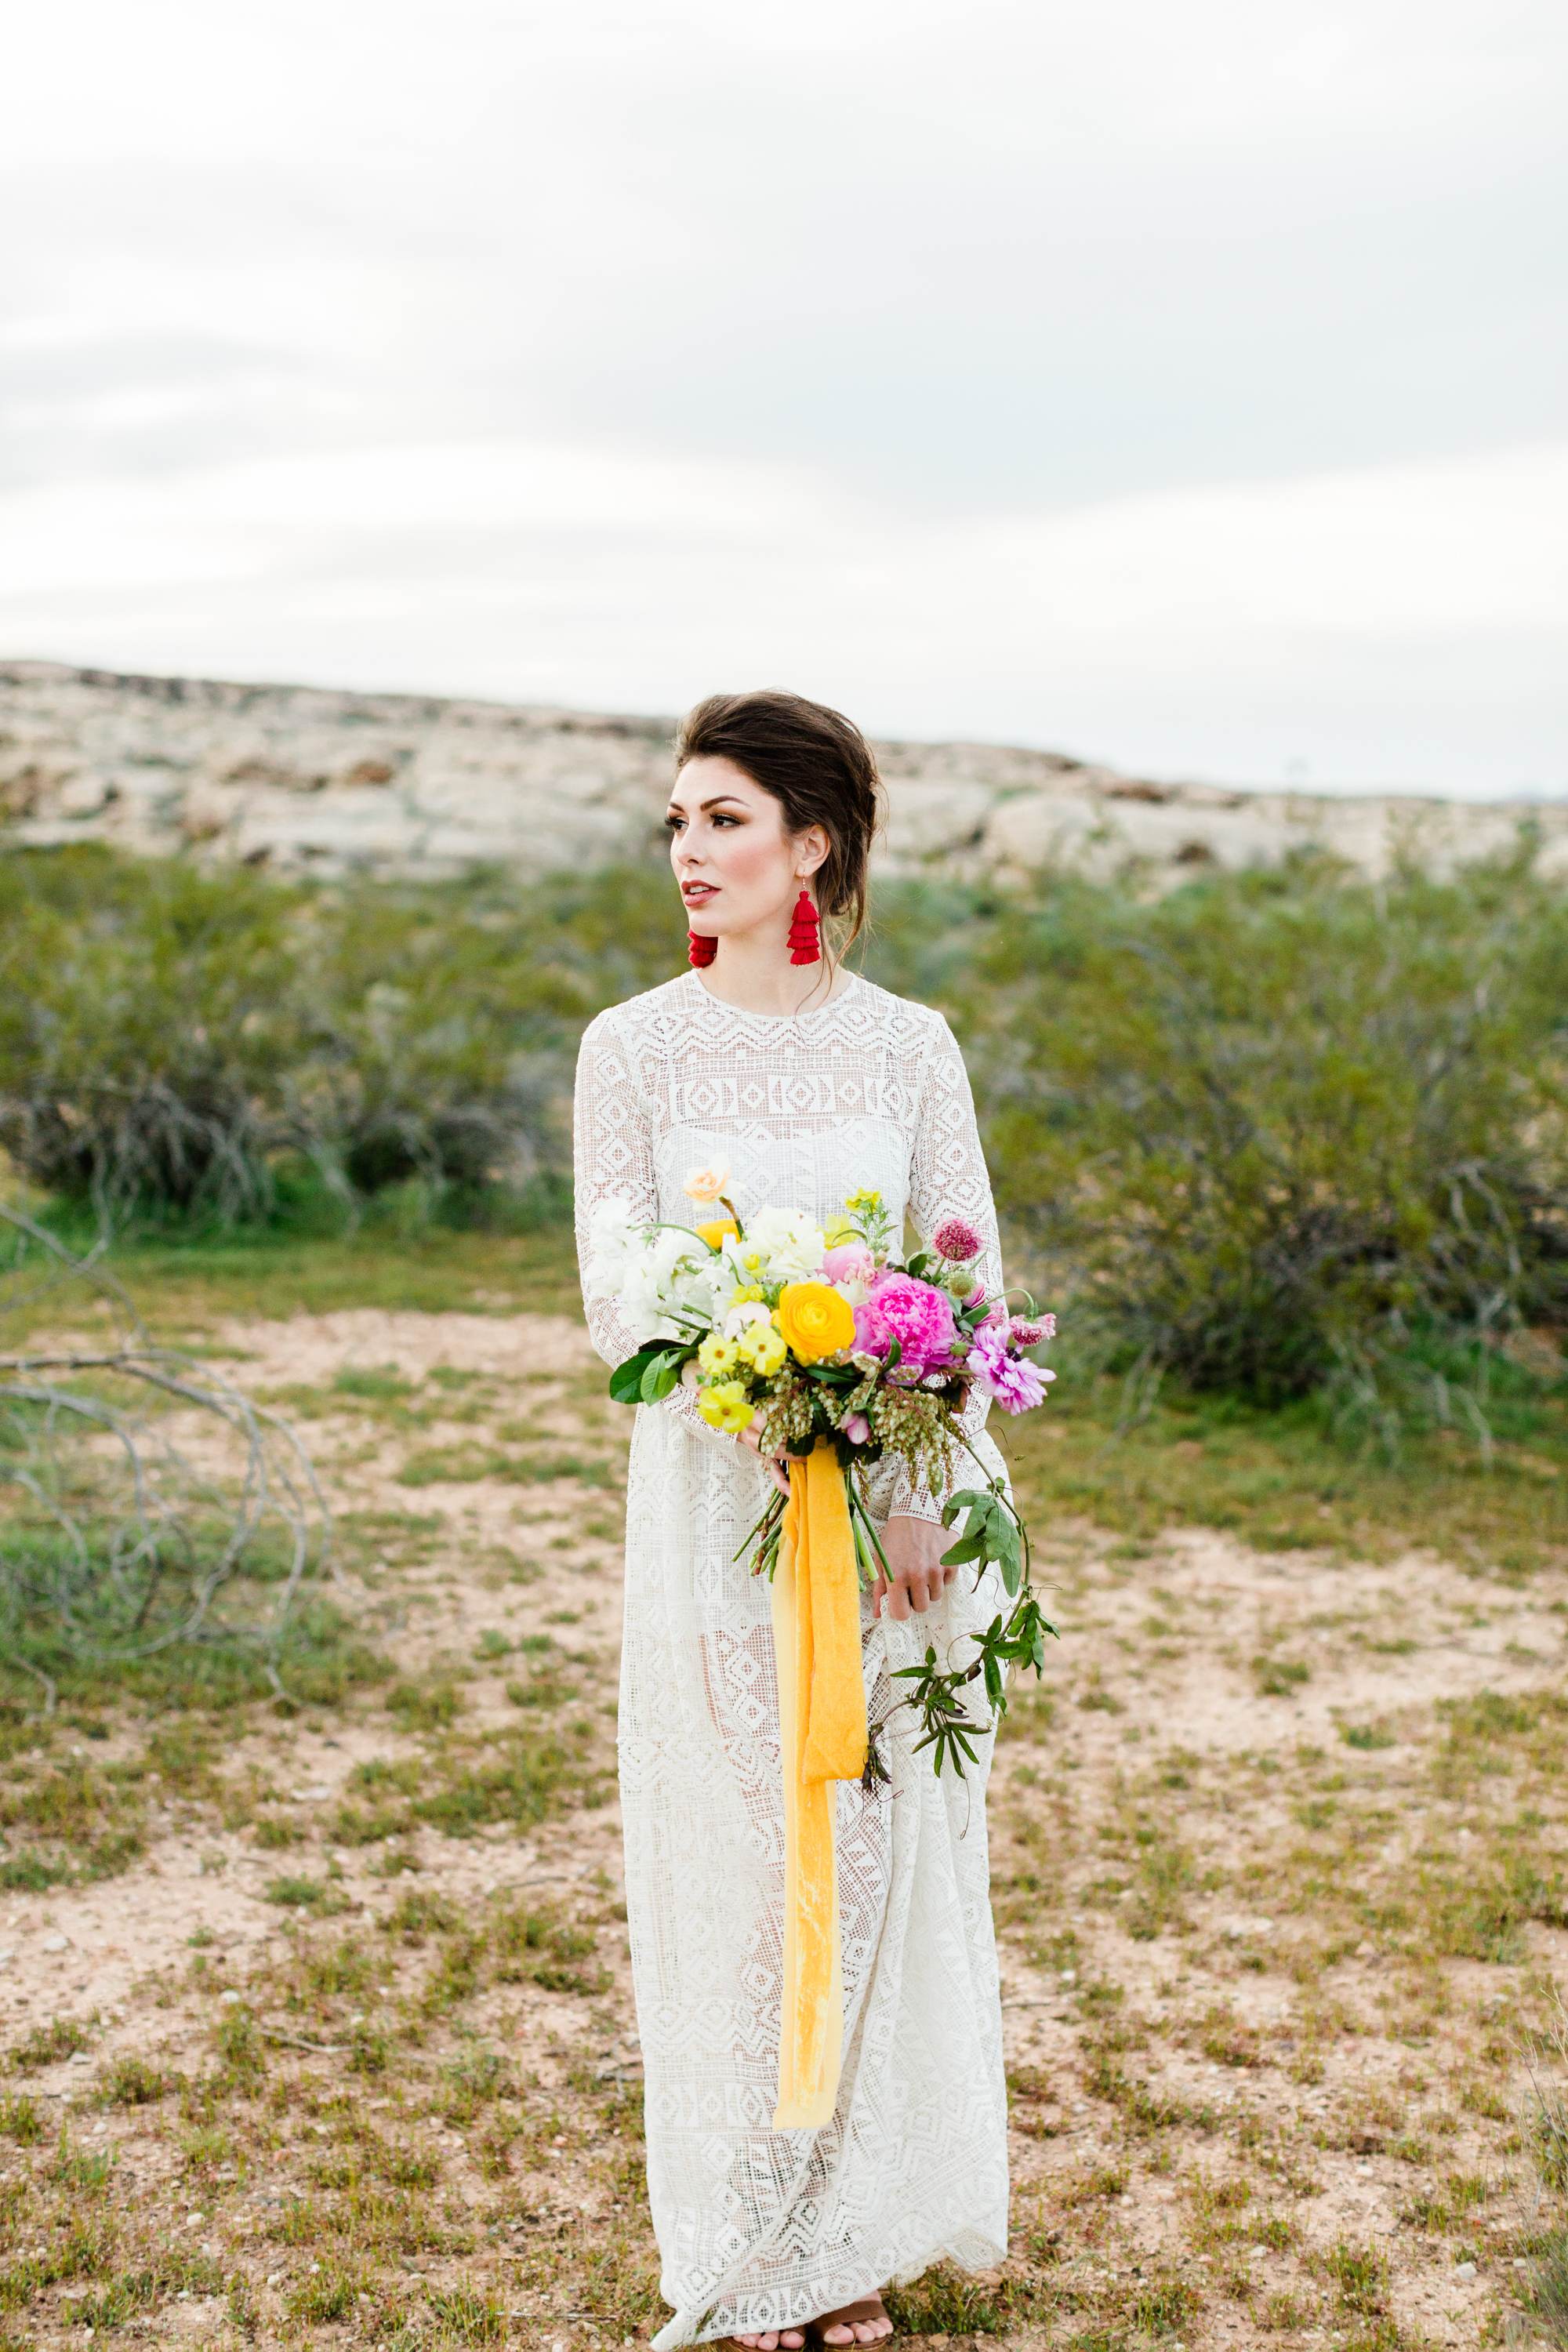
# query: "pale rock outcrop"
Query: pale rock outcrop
{"points": [[304, 779]]}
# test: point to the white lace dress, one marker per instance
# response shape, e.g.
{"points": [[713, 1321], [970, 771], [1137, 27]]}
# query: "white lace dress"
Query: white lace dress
{"points": [[759, 2229]]}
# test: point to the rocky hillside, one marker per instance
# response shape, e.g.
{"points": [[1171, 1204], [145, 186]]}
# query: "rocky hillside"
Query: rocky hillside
{"points": [[299, 777]]}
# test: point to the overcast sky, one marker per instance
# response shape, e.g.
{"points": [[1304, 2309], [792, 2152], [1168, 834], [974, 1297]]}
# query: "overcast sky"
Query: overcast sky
{"points": [[1184, 386]]}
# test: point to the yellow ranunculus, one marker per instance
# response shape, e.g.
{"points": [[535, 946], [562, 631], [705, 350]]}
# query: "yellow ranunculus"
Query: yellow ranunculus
{"points": [[714, 1234], [815, 1320], [839, 1229], [762, 1347], [725, 1405], [718, 1354]]}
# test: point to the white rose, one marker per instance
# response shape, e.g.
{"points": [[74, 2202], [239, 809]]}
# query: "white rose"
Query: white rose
{"points": [[789, 1244]]}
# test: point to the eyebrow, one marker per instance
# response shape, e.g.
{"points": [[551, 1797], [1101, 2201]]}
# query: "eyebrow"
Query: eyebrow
{"points": [[717, 801]]}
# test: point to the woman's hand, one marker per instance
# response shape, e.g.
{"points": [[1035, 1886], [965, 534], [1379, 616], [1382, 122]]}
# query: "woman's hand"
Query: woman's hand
{"points": [[913, 1548], [776, 1465]]}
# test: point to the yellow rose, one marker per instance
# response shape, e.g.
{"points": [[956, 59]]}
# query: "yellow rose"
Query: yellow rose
{"points": [[706, 1184], [762, 1347], [714, 1234], [725, 1406], [815, 1320], [717, 1354]]}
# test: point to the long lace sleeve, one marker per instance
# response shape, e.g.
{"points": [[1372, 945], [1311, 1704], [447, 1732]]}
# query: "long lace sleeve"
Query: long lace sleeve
{"points": [[947, 1178], [612, 1154]]}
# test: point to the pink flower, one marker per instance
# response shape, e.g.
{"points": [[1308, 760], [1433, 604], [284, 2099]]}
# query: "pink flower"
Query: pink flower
{"points": [[911, 1312], [956, 1241], [1025, 1335], [1008, 1380], [849, 1262], [856, 1429]]}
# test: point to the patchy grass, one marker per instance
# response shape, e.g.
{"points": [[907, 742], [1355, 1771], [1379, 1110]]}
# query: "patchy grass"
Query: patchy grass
{"points": [[1280, 1877], [184, 1286], [1281, 1480]]}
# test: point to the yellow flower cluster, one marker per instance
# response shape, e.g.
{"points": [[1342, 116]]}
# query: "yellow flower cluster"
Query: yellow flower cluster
{"points": [[762, 1346], [725, 1405]]}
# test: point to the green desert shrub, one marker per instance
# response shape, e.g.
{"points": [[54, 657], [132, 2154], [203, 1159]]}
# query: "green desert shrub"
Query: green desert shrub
{"points": [[1287, 1129], [177, 1040], [1274, 1133]]}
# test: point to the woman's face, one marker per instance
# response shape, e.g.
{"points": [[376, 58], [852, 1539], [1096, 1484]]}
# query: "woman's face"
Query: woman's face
{"points": [[737, 868]]}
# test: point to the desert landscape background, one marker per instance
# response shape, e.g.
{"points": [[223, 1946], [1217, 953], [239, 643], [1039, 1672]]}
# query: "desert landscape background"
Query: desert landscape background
{"points": [[316, 2007]]}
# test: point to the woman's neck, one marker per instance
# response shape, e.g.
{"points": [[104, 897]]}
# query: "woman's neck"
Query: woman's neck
{"points": [[755, 975]]}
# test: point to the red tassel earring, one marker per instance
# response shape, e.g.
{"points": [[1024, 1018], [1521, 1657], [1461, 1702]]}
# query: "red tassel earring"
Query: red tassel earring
{"points": [[700, 951], [805, 944]]}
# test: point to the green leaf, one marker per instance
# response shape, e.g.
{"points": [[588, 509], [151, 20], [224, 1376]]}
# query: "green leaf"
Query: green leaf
{"points": [[626, 1379], [919, 1262], [662, 1375]]}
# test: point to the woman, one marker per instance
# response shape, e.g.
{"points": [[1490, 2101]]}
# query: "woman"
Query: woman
{"points": [[814, 1084]]}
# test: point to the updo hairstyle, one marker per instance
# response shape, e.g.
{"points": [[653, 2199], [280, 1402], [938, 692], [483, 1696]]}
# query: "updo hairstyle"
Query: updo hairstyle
{"points": [[818, 767]]}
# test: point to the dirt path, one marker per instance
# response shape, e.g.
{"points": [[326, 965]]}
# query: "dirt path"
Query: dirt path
{"points": [[1277, 1867]]}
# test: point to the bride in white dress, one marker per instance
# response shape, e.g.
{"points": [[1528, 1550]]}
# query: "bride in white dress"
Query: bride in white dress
{"points": [[814, 1084]]}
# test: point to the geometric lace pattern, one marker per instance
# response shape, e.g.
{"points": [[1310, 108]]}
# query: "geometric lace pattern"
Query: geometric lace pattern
{"points": [[759, 2229]]}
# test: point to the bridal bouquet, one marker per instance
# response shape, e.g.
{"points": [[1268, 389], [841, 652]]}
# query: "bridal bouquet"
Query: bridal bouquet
{"points": [[822, 1331]]}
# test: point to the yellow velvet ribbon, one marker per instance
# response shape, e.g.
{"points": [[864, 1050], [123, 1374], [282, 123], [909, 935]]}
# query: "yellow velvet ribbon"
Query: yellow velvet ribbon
{"points": [[822, 1723]]}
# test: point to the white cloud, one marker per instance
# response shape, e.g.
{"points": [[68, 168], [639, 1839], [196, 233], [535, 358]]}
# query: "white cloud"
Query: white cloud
{"points": [[1402, 625], [1184, 385]]}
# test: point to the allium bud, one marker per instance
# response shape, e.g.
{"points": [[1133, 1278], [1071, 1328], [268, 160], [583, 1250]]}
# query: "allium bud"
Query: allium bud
{"points": [[957, 1241]]}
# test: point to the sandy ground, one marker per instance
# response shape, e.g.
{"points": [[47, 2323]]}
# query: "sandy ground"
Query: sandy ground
{"points": [[1158, 1716]]}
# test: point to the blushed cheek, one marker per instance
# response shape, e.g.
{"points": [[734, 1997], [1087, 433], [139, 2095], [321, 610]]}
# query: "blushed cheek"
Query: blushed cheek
{"points": [[752, 858]]}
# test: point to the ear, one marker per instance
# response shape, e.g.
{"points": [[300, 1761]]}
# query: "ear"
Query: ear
{"points": [[811, 848]]}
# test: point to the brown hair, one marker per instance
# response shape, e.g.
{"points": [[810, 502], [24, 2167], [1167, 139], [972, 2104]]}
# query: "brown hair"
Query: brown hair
{"points": [[818, 767]]}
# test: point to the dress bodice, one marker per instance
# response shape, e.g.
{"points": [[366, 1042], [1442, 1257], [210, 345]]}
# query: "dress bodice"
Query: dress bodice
{"points": [[868, 1090]]}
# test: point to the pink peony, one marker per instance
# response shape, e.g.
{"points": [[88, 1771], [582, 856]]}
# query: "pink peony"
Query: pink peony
{"points": [[849, 1262], [911, 1312], [956, 1241], [1008, 1380]]}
